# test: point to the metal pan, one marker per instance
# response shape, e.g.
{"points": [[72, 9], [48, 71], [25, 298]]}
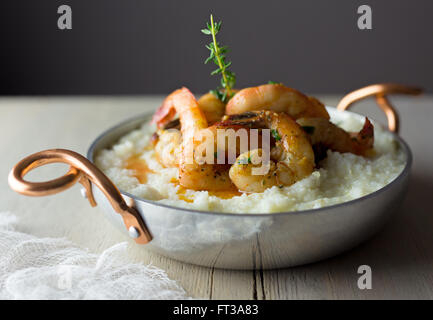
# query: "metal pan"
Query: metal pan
{"points": [[226, 240]]}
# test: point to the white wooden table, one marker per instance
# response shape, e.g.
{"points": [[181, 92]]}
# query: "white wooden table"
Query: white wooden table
{"points": [[401, 256]]}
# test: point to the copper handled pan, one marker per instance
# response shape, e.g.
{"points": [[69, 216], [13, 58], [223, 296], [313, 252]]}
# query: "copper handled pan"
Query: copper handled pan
{"points": [[237, 241]]}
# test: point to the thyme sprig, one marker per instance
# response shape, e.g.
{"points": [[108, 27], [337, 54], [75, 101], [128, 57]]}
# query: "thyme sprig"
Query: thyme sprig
{"points": [[218, 56]]}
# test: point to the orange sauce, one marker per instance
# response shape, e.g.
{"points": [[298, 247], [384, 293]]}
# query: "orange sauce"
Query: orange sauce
{"points": [[139, 167], [225, 194], [181, 193]]}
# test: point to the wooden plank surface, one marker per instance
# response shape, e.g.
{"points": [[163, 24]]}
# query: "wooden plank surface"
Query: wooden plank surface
{"points": [[401, 256]]}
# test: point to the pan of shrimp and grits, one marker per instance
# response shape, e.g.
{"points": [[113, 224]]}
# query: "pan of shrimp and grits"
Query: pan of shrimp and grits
{"points": [[242, 178]]}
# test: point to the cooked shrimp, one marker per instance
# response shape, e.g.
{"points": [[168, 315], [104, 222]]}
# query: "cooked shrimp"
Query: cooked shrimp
{"points": [[212, 107], [324, 135], [182, 102], [169, 147], [192, 175], [293, 157], [319, 108], [244, 178], [276, 97]]}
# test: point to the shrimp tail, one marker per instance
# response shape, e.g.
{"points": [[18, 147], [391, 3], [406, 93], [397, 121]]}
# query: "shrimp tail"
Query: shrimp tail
{"points": [[364, 139], [162, 116], [167, 111], [164, 113]]}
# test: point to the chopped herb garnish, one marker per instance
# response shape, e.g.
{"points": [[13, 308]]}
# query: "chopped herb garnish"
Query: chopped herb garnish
{"points": [[274, 82], [244, 160], [218, 56], [275, 135], [308, 129]]}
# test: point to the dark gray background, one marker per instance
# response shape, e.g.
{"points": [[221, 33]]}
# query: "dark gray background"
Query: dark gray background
{"points": [[138, 46]]}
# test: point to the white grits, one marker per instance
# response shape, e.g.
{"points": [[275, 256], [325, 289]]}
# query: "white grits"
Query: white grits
{"points": [[342, 177]]}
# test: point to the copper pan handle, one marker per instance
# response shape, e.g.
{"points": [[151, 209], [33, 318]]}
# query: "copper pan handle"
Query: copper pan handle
{"points": [[380, 91], [83, 171]]}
